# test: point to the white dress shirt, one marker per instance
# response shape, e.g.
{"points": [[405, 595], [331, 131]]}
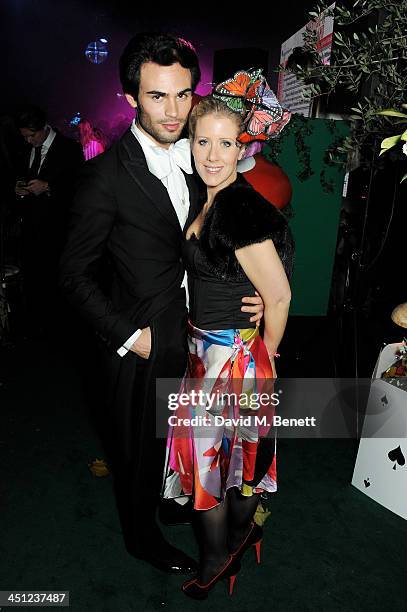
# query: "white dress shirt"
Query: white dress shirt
{"points": [[44, 148], [165, 165]]}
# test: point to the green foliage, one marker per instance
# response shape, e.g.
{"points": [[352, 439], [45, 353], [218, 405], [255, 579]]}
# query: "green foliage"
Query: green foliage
{"points": [[392, 141], [376, 57], [301, 128]]}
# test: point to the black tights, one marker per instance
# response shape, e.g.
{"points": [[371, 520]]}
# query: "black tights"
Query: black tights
{"points": [[221, 529]]}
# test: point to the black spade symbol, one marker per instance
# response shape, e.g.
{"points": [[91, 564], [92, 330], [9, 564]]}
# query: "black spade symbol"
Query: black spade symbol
{"points": [[397, 456], [367, 482], [384, 400]]}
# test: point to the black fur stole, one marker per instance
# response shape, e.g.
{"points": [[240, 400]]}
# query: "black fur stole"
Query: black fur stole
{"points": [[238, 217]]}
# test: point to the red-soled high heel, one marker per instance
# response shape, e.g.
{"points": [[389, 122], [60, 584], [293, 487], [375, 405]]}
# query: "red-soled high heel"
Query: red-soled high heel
{"points": [[231, 584], [257, 546], [253, 538], [194, 589]]}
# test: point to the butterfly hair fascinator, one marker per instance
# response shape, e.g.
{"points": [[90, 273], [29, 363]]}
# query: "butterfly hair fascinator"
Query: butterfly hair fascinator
{"points": [[248, 93]]}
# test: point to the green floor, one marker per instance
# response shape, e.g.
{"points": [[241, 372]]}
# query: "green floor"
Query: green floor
{"points": [[326, 546]]}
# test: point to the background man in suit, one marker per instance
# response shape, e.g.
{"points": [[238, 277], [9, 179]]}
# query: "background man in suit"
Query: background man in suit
{"points": [[45, 176], [132, 204]]}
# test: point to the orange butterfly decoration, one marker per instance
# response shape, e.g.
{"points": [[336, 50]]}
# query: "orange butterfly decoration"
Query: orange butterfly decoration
{"points": [[248, 93]]}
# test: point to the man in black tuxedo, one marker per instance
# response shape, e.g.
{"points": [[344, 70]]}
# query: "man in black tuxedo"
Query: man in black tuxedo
{"points": [[45, 176], [133, 204]]}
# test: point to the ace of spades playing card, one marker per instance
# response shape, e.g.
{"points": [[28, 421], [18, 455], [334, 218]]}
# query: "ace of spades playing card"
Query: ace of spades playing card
{"points": [[381, 465]]}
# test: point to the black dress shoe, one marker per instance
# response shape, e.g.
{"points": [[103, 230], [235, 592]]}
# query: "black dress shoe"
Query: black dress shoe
{"points": [[165, 557], [178, 563], [171, 512]]}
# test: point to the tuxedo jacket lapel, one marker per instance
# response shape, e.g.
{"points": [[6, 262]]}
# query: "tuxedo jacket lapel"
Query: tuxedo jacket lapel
{"points": [[133, 159], [194, 199], [53, 157]]}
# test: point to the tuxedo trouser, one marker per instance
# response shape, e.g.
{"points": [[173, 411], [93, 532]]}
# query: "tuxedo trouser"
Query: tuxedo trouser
{"points": [[138, 475]]}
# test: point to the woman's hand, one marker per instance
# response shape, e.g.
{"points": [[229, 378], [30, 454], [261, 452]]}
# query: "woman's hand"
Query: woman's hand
{"points": [[263, 267], [273, 365]]}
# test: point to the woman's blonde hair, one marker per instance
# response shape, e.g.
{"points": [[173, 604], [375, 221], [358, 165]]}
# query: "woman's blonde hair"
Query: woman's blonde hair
{"points": [[212, 106]]}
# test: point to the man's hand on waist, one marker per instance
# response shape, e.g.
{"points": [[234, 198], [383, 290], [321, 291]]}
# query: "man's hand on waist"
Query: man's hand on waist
{"points": [[256, 307]]}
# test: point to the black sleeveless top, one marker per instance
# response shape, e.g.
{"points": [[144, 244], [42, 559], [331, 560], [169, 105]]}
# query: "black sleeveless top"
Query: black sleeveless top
{"points": [[214, 303], [239, 216]]}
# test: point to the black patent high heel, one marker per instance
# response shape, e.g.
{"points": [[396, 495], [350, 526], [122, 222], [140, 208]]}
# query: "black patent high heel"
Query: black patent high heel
{"points": [[194, 589]]}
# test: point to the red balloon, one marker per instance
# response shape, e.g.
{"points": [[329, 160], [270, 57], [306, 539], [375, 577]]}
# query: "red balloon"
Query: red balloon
{"points": [[269, 180]]}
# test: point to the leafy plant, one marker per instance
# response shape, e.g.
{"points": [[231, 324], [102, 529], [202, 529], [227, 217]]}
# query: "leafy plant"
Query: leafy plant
{"points": [[366, 58], [392, 141]]}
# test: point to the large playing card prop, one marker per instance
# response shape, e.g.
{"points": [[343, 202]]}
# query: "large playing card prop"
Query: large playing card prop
{"points": [[381, 470]]}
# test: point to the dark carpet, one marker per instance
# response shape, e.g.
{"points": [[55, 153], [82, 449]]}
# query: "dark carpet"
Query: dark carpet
{"points": [[327, 546]]}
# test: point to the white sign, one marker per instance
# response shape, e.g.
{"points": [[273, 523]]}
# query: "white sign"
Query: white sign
{"points": [[290, 89]]}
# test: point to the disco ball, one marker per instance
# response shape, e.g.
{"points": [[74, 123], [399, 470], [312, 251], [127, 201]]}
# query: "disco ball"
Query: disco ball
{"points": [[75, 120], [96, 52]]}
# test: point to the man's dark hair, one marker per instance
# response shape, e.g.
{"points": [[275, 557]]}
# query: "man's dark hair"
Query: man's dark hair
{"points": [[32, 118], [163, 49]]}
